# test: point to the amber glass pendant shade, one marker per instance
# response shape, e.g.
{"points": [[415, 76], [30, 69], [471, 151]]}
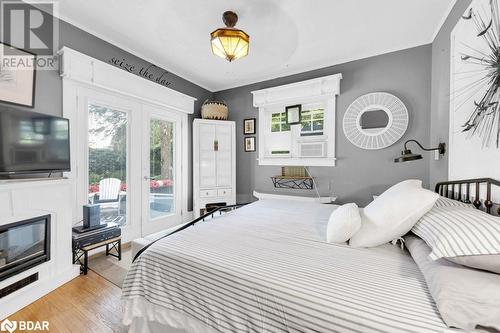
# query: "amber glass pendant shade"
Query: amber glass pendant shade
{"points": [[230, 43]]}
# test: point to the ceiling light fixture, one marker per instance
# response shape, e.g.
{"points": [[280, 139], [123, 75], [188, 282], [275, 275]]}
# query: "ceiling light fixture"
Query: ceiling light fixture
{"points": [[230, 43]]}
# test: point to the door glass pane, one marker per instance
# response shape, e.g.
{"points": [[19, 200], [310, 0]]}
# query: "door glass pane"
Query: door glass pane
{"points": [[161, 156], [108, 162]]}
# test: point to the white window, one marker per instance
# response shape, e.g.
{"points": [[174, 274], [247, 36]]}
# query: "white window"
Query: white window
{"points": [[310, 142], [278, 122], [312, 122]]}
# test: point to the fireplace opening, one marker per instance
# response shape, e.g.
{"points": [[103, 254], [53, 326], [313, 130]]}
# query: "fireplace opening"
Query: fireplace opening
{"points": [[23, 245]]}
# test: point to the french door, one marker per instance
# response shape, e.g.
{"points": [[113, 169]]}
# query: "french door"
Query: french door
{"points": [[130, 154], [161, 170]]}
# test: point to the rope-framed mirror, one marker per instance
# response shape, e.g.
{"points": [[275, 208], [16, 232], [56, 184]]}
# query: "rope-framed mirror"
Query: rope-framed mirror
{"points": [[375, 121]]}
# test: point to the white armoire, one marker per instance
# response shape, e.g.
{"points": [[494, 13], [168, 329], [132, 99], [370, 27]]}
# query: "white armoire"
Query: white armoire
{"points": [[214, 163]]}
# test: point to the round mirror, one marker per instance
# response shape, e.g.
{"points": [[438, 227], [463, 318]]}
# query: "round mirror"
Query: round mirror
{"points": [[375, 121]]}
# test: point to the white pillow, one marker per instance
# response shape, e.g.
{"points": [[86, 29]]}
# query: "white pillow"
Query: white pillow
{"points": [[344, 222], [393, 213], [454, 231]]}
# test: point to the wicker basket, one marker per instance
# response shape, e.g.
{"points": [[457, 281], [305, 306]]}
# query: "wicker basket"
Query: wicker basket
{"points": [[214, 110]]}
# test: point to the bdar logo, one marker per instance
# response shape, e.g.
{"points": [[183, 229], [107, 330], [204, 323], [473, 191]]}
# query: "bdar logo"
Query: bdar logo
{"points": [[8, 325]]}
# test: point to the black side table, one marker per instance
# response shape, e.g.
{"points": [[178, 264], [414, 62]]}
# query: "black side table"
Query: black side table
{"points": [[109, 236]]}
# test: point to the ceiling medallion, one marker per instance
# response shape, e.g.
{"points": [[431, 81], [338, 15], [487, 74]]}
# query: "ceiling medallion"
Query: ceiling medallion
{"points": [[230, 43]]}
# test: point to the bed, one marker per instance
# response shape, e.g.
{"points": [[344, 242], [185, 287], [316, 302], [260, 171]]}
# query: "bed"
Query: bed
{"points": [[265, 267]]}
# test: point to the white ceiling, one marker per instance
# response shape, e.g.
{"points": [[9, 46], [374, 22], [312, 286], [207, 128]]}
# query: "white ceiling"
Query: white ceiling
{"points": [[286, 36]]}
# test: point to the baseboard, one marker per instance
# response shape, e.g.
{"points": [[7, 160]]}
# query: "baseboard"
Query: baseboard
{"points": [[31, 293]]}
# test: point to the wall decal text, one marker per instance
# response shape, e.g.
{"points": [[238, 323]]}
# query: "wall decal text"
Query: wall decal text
{"points": [[151, 72]]}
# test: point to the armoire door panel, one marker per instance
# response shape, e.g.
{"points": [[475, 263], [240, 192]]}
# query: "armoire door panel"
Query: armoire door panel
{"points": [[208, 176], [208, 169], [224, 168], [223, 135], [207, 137]]}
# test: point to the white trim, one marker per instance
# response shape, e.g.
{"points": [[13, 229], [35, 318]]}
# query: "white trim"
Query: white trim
{"points": [[82, 68], [31, 293], [151, 225], [451, 110], [315, 89], [185, 168], [443, 20], [306, 161], [263, 196], [126, 92], [322, 90]]}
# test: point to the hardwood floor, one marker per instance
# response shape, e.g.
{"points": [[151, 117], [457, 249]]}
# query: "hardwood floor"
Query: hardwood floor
{"points": [[85, 304]]}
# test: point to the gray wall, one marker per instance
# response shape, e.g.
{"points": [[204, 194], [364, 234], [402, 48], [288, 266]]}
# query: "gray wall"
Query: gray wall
{"points": [[48, 92], [440, 98], [359, 173], [408, 74]]}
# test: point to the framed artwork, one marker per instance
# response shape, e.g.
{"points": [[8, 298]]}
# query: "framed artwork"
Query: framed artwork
{"points": [[249, 126], [17, 76], [293, 114], [250, 144]]}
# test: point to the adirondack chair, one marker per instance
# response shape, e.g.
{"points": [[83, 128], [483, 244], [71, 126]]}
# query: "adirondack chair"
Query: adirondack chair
{"points": [[109, 193]]}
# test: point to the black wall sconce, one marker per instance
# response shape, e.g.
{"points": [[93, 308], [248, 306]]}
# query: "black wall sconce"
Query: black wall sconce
{"points": [[407, 155]]}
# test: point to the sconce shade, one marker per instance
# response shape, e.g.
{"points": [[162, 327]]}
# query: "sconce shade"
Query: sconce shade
{"points": [[406, 156]]}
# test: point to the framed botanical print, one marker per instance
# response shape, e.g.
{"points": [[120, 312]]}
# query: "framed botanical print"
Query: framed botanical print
{"points": [[249, 126], [293, 114], [250, 144], [17, 76]]}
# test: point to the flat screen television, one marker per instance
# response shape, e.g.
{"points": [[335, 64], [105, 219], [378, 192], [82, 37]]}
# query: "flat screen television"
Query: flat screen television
{"points": [[32, 142]]}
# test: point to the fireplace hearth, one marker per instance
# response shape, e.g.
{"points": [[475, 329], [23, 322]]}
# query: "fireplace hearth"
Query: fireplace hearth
{"points": [[23, 245]]}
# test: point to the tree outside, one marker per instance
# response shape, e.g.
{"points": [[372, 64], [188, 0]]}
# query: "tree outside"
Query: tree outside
{"points": [[108, 149]]}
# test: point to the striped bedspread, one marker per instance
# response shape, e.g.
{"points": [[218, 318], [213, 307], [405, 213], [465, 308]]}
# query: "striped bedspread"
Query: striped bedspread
{"points": [[266, 268]]}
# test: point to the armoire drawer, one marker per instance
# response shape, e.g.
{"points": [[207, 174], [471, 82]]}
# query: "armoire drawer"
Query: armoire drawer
{"points": [[208, 193], [224, 192]]}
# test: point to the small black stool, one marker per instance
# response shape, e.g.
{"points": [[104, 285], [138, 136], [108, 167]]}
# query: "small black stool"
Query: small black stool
{"points": [[81, 255]]}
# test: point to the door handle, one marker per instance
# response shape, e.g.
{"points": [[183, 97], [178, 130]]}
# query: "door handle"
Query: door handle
{"points": [[216, 145]]}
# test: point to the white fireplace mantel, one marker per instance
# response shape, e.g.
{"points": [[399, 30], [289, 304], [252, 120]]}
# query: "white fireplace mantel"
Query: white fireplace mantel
{"points": [[21, 200]]}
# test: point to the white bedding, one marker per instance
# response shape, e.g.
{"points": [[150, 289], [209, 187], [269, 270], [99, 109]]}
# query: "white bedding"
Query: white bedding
{"points": [[266, 267]]}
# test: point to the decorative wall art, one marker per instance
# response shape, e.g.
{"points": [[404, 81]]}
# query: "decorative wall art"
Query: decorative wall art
{"points": [[249, 126], [375, 121], [17, 76], [250, 144], [479, 73], [293, 114], [474, 114]]}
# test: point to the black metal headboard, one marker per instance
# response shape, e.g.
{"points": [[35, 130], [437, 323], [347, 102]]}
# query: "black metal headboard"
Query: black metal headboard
{"points": [[461, 190]]}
